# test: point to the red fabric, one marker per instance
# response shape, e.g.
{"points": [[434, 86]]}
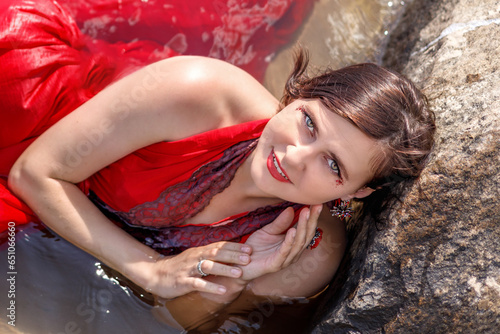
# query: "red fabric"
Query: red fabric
{"points": [[55, 56], [47, 71], [135, 192], [244, 33], [143, 175], [13, 208], [154, 208]]}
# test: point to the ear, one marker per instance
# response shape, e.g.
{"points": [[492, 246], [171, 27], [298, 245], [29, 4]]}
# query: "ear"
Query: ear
{"points": [[362, 192]]}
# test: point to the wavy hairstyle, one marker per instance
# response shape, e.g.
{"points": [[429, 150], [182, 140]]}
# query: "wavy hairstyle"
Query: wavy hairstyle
{"points": [[385, 106]]}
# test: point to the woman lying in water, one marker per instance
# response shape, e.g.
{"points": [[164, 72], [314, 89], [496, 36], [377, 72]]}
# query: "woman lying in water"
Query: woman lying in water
{"points": [[189, 178]]}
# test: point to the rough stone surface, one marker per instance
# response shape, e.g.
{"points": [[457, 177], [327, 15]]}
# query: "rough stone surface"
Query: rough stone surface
{"points": [[436, 267]]}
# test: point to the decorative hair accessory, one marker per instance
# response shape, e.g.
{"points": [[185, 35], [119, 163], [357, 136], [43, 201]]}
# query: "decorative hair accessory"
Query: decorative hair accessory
{"points": [[341, 209], [316, 239]]}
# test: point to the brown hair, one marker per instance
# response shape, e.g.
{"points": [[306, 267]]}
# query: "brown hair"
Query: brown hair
{"points": [[385, 106]]}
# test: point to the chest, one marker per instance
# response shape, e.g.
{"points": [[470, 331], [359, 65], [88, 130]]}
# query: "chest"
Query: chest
{"points": [[221, 206], [229, 203], [139, 184]]}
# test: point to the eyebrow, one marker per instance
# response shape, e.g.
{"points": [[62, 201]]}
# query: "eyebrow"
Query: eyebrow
{"points": [[343, 171]]}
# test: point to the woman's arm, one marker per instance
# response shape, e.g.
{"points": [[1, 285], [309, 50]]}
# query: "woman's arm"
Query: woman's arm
{"points": [[168, 100]]}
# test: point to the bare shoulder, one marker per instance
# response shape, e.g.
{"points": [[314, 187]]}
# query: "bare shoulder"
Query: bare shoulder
{"points": [[165, 101], [215, 93]]}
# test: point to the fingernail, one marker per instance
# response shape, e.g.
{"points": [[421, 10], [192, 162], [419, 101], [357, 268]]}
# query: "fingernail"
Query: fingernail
{"points": [[236, 272], [246, 249], [308, 214], [244, 258], [221, 290]]}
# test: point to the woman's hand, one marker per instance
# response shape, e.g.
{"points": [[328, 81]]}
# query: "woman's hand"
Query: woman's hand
{"points": [[178, 275], [272, 250]]}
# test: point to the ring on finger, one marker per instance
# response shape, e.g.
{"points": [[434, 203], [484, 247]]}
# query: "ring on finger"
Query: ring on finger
{"points": [[200, 271]]}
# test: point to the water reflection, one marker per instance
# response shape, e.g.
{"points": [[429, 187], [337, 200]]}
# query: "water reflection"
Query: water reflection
{"points": [[62, 289]]}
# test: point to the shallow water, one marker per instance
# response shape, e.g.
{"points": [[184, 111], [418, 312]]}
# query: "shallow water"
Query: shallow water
{"points": [[61, 289], [340, 33]]}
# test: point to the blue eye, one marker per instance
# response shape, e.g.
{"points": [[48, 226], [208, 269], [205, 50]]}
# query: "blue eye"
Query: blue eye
{"points": [[332, 164], [307, 120], [309, 123]]}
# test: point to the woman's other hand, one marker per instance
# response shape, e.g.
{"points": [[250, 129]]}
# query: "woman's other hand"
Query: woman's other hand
{"points": [[178, 275], [273, 249]]}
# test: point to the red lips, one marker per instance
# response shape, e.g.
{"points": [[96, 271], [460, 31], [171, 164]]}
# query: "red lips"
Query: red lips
{"points": [[275, 169]]}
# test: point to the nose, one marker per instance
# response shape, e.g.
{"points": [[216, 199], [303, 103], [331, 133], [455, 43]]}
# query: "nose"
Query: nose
{"points": [[297, 156]]}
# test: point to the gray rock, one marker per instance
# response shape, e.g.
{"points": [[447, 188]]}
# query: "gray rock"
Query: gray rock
{"points": [[436, 267]]}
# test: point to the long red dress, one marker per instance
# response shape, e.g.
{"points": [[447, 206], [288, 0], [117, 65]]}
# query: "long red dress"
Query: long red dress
{"points": [[49, 68]]}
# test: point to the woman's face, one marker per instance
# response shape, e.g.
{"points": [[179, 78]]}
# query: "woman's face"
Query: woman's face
{"points": [[308, 154]]}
